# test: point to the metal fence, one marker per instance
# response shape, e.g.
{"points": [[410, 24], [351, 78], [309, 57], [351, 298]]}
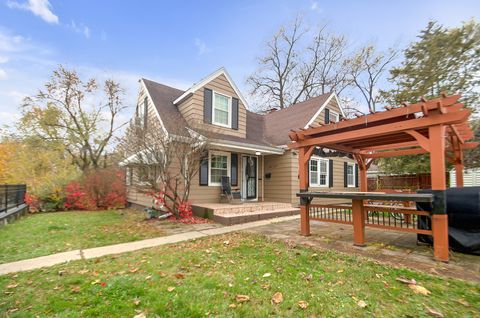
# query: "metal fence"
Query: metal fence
{"points": [[11, 196]]}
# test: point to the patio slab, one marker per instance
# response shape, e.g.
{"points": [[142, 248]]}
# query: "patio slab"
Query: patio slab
{"points": [[397, 249]]}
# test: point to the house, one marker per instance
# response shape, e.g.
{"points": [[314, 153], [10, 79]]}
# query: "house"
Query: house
{"points": [[248, 147]]}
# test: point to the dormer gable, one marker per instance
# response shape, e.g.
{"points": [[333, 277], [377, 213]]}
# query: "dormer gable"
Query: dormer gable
{"points": [[215, 103]]}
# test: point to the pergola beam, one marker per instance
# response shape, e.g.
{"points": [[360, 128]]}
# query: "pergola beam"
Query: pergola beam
{"points": [[381, 116], [382, 130]]}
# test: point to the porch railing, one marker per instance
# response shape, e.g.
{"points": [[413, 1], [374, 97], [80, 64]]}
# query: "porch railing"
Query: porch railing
{"points": [[11, 196]]}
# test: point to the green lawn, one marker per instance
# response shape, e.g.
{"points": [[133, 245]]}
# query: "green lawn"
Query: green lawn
{"points": [[43, 234], [203, 278]]}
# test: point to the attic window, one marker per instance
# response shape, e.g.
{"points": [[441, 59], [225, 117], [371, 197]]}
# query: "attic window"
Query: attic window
{"points": [[222, 108], [334, 116]]}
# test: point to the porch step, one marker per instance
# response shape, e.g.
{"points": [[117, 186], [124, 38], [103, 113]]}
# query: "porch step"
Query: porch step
{"points": [[231, 218]]}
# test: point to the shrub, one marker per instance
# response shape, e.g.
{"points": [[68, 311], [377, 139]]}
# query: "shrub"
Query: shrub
{"points": [[77, 198], [33, 201], [106, 188]]}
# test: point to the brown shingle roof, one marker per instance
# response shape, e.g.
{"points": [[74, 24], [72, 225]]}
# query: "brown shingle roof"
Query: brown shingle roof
{"points": [[265, 130], [163, 97], [279, 123]]}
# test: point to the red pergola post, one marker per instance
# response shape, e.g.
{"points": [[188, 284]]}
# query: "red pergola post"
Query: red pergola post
{"points": [[437, 169], [303, 160], [458, 164]]}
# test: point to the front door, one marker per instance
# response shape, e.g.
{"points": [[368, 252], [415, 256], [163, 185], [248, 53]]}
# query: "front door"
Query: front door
{"points": [[249, 177]]}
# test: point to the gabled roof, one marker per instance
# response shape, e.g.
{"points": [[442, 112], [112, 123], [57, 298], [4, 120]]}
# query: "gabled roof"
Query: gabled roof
{"points": [[279, 123], [204, 81], [162, 97], [267, 130]]}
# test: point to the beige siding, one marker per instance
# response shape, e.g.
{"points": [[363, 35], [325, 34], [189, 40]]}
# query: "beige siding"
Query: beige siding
{"points": [[192, 108], [332, 106], [279, 187], [284, 183]]}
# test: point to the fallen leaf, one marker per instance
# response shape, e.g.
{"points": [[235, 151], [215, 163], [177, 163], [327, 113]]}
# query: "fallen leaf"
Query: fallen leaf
{"points": [[136, 301], [434, 313], [265, 286], [267, 275], [303, 304], [11, 286], [463, 302], [340, 271], [419, 289], [277, 298], [242, 298], [140, 315], [97, 281], [148, 277], [179, 275], [406, 281], [361, 304], [233, 306], [170, 289], [75, 289], [134, 270]]}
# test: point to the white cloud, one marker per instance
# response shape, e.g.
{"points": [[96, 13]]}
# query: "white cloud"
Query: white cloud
{"points": [[315, 7], [4, 59], [40, 8], [79, 28], [202, 47], [3, 74], [10, 43]]}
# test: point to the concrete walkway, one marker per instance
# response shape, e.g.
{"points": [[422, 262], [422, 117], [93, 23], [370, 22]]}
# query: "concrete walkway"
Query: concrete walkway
{"points": [[82, 254]]}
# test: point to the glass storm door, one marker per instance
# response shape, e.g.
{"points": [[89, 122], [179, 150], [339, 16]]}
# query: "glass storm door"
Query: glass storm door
{"points": [[250, 177]]}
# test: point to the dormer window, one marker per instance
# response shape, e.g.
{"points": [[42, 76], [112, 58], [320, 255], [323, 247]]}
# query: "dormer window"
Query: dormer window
{"points": [[221, 110], [334, 116]]}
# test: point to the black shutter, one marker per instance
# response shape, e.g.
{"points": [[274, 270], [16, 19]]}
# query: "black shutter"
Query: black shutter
{"points": [[356, 175], [345, 174], [145, 113], [234, 169], [234, 113], [330, 173], [327, 115], [207, 105], [203, 173]]}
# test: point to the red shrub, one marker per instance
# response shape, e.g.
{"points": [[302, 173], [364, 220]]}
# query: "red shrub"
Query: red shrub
{"points": [[33, 202], [106, 187], [76, 198], [99, 189]]}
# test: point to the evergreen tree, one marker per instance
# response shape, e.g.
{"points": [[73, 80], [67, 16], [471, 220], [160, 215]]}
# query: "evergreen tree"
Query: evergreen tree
{"points": [[441, 60]]}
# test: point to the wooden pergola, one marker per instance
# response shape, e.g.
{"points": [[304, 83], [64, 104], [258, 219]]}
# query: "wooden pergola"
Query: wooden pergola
{"points": [[438, 127]]}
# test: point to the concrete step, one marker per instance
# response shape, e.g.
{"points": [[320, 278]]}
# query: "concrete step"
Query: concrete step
{"points": [[231, 218]]}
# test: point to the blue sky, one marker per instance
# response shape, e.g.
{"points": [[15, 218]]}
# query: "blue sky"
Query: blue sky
{"points": [[179, 42]]}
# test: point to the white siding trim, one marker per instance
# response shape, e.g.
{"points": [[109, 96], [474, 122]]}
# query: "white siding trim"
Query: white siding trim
{"points": [[319, 111], [209, 78]]}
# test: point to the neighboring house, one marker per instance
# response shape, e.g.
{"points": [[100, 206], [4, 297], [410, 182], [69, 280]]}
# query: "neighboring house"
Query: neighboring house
{"points": [[248, 147]]}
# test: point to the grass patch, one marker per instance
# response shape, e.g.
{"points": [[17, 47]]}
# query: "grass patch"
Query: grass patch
{"points": [[203, 278], [47, 233]]}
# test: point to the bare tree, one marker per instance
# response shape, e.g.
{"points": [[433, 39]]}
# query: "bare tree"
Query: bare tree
{"points": [[65, 112], [166, 163], [367, 69], [296, 67]]}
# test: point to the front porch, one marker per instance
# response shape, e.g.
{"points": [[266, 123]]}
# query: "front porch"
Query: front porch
{"points": [[229, 214]]}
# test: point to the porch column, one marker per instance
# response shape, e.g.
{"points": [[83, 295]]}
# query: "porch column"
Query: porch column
{"points": [[437, 169], [303, 159]]}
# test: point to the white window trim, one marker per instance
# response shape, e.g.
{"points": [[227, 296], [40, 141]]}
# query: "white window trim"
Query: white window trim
{"points": [[327, 177], [336, 114], [229, 117], [221, 153], [353, 172]]}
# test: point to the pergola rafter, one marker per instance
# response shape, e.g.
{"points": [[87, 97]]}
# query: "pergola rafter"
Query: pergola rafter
{"points": [[433, 126]]}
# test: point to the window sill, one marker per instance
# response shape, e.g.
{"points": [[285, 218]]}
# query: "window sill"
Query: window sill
{"points": [[221, 125]]}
